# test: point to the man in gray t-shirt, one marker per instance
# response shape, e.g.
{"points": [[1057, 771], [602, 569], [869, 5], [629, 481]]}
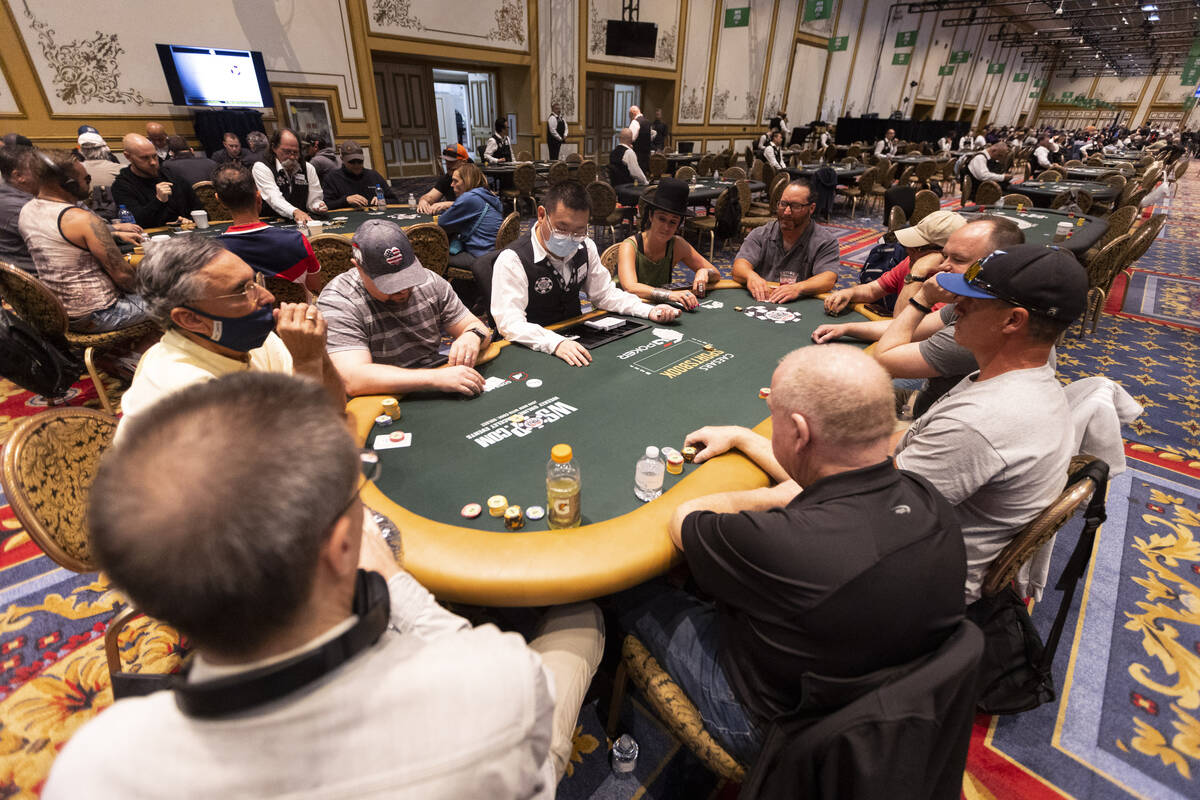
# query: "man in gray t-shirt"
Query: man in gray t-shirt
{"points": [[793, 250], [386, 318], [998, 444]]}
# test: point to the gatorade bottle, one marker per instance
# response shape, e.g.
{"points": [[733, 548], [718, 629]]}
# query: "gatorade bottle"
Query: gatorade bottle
{"points": [[125, 215], [380, 199], [562, 489]]}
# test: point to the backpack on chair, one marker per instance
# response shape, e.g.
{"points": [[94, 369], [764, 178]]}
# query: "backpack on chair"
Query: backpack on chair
{"points": [[729, 217], [881, 259], [36, 363]]}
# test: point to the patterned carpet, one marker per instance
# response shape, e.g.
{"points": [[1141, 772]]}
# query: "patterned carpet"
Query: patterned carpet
{"points": [[1128, 669]]}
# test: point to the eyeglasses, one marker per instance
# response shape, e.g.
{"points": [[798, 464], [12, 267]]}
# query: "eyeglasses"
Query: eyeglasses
{"points": [[795, 208], [971, 276], [371, 467], [251, 287], [577, 238]]}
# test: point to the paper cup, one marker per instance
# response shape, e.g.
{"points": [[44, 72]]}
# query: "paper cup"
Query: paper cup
{"points": [[200, 218]]}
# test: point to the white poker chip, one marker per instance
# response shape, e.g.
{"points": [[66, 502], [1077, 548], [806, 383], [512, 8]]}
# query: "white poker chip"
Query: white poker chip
{"points": [[533, 383], [535, 512]]}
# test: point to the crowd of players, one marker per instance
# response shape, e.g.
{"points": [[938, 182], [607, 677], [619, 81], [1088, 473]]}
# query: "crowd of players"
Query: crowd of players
{"points": [[228, 505]]}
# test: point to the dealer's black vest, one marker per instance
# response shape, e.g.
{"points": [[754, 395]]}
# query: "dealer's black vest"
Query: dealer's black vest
{"points": [[560, 129], [641, 145], [619, 171], [503, 150], [294, 187], [550, 298]]}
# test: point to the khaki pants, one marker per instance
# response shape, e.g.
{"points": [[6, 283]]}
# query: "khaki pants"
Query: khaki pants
{"points": [[570, 640]]}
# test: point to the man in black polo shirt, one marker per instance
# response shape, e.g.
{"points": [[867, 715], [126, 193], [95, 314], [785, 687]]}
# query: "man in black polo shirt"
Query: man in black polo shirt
{"points": [[859, 572]]}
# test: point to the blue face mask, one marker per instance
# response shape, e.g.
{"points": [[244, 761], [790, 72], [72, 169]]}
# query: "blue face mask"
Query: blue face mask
{"points": [[560, 244], [241, 333]]}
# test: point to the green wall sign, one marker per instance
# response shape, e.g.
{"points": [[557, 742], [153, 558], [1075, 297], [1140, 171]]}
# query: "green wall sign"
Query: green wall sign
{"points": [[737, 17], [946, 70], [901, 58], [996, 68], [817, 9], [1020, 77], [906, 38], [838, 43], [960, 56]]}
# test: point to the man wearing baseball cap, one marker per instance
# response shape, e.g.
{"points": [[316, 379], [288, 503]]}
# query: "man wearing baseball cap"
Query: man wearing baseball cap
{"points": [[926, 238], [98, 160], [998, 444], [441, 196], [352, 185], [387, 316]]}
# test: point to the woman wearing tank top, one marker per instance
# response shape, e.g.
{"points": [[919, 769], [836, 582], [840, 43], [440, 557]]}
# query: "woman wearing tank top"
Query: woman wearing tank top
{"points": [[645, 261]]}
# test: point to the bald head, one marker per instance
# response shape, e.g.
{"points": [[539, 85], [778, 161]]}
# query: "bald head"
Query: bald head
{"points": [[143, 157], [844, 396], [157, 134], [634, 112], [625, 136]]}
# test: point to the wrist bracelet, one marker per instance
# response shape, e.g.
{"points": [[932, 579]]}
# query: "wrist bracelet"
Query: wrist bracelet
{"points": [[912, 301], [660, 295]]}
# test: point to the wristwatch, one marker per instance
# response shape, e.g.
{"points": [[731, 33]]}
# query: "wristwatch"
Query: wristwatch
{"points": [[910, 278], [483, 337]]}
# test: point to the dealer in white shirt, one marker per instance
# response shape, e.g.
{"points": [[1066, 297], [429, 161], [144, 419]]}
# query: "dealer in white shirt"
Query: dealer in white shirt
{"points": [[287, 184], [537, 280]]}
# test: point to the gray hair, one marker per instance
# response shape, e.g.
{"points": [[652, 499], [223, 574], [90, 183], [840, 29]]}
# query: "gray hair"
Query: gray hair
{"points": [[203, 515], [95, 152], [257, 140], [170, 276]]}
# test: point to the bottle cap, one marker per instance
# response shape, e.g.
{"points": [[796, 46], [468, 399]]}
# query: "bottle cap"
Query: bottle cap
{"points": [[560, 453], [651, 452]]}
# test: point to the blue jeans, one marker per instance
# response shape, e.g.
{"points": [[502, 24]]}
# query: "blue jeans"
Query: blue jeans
{"points": [[680, 631], [129, 309]]}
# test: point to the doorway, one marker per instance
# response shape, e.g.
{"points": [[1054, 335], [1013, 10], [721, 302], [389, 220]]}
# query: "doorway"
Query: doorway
{"points": [[922, 110], [466, 106], [607, 113]]}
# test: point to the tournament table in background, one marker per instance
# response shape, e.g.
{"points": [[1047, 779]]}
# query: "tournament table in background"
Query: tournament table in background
{"points": [[1042, 193], [844, 174], [639, 390], [1087, 173], [1039, 225], [341, 221]]}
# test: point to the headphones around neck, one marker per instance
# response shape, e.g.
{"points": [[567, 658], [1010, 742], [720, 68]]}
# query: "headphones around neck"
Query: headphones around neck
{"points": [[241, 692]]}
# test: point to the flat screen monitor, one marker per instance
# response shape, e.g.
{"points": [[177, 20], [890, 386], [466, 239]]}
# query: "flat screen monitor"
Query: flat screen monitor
{"points": [[207, 76], [631, 39]]}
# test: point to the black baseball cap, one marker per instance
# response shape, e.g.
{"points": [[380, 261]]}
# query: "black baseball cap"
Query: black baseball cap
{"points": [[1048, 281], [383, 251]]}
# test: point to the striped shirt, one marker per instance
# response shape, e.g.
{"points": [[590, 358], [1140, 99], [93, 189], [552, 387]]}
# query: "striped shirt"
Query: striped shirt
{"points": [[407, 335]]}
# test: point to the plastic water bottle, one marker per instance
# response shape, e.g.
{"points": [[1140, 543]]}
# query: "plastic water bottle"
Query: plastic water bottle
{"points": [[563, 489], [648, 475], [125, 215], [624, 755], [412, 200], [380, 200]]}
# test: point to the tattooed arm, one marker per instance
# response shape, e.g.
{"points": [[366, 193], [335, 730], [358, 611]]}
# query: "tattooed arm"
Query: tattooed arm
{"points": [[88, 231]]}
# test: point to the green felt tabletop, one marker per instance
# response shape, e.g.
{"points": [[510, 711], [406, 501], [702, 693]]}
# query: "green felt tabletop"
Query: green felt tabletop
{"points": [[343, 221], [639, 390], [1039, 224]]}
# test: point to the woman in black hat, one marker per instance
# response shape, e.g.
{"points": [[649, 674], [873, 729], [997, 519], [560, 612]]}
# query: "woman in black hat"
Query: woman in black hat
{"points": [[645, 261]]}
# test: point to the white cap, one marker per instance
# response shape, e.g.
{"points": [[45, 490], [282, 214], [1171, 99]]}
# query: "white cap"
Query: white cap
{"points": [[651, 452]]}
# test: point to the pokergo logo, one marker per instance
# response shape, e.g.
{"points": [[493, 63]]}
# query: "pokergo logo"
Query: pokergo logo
{"points": [[641, 349]]}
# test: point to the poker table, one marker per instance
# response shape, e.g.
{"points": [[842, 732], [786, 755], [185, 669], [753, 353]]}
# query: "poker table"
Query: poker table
{"points": [[677, 160], [1038, 225], [341, 221], [1086, 173], [639, 390], [1042, 193], [498, 170], [1125, 158], [911, 158], [702, 192], [844, 174]]}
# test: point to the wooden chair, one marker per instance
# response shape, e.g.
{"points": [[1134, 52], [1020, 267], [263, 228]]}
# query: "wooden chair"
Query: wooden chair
{"points": [[896, 219], [573, 158], [707, 163], [207, 195], [924, 172], [524, 155], [1074, 162], [286, 291], [603, 199], [685, 173], [509, 230], [559, 172], [721, 162], [49, 466], [708, 224], [884, 166], [524, 185], [748, 155], [1144, 236], [948, 178], [1015, 199], [36, 304], [333, 253], [1131, 195], [749, 218], [734, 174], [658, 166], [586, 172], [1119, 223], [925, 203], [1082, 199], [988, 193], [609, 258], [1102, 270], [883, 182], [432, 248], [774, 191], [1049, 175], [861, 191], [854, 151], [1038, 532], [756, 170]]}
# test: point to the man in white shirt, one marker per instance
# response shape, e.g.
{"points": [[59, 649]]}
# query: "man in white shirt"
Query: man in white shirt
{"points": [[887, 145], [287, 184], [640, 128], [773, 152], [499, 148], [965, 141], [1041, 153], [944, 145], [537, 280], [986, 166], [231, 512], [556, 130], [218, 319], [980, 141], [623, 163]]}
